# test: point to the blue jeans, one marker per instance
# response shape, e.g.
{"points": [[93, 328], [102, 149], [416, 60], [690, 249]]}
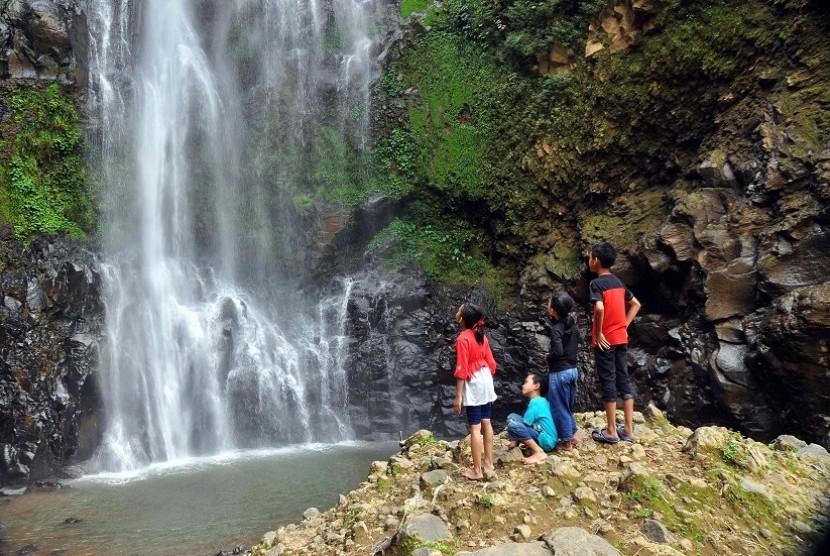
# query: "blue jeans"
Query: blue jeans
{"points": [[561, 394], [518, 431]]}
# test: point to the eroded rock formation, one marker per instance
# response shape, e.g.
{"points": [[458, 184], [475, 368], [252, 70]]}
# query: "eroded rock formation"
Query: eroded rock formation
{"points": [[50, 325]]}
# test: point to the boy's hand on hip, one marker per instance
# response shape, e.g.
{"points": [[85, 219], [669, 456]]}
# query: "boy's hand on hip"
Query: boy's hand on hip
{"points": [[602, 342], [456, 406]]}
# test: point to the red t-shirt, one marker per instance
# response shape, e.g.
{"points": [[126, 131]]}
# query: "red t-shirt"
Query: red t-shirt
{"points": [[472, 356], [612, 292]]}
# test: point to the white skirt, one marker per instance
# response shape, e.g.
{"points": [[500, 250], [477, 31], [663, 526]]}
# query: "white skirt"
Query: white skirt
{"points": [[479, 389]]}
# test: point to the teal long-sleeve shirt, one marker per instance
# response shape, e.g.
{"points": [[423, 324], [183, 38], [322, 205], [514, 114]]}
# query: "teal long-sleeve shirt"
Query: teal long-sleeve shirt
{"points": [[539, 417]]}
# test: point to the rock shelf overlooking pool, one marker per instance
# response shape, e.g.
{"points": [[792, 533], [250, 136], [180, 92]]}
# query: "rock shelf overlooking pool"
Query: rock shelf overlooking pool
{"points": [[675, 491]]}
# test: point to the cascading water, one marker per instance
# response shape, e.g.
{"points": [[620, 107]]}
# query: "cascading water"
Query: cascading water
{"points": [[206, 112]]}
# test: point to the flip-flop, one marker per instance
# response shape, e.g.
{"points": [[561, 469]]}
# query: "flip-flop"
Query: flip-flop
{"points": [[622, 435], [599, 436]]}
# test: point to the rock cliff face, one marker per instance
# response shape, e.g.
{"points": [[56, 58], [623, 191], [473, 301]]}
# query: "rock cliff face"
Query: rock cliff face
{"points": [[711, 178], [50, 325], [51, 318], [43, 40]]}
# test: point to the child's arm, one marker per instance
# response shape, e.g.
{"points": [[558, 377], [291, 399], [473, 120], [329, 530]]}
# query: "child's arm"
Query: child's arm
{"points": [[599, 314], [459, 390], [633, 309], [461, 363], [556, 348]]}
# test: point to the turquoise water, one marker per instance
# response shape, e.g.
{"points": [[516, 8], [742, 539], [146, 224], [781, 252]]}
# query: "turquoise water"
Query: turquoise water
{"points": [[193, 506]]}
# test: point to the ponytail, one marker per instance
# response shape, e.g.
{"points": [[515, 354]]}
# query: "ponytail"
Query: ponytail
{"points": [[564, 305], [473, 318]]}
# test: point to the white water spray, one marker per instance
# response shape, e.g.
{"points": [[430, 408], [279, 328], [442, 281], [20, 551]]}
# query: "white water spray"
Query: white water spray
{"points": [[208, 347]]}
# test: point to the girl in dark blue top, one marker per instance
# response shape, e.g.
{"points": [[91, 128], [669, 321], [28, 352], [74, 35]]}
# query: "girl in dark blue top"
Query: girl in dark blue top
{"points": [[561, 359]]}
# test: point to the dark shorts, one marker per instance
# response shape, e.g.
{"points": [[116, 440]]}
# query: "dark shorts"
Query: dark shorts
{"points": [[475, 413], [612, 368]]}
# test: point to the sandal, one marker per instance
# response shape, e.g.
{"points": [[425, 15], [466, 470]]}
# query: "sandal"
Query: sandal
{"points": [[599, 436], [622, 435]]}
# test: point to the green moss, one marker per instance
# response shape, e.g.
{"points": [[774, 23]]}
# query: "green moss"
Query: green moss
{"points": [[734, 452], [485, 134], [429, 440], [410, 545], [448, 256], [643, 513], [383, 485], [653, 495], [451, 146], [43, 183], [751, 504], [409, 7]]}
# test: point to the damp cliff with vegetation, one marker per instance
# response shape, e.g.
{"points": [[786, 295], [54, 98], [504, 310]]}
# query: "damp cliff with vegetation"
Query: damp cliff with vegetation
{"points": [[692, 135]]}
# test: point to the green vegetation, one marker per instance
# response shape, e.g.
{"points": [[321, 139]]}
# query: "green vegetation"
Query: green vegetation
{"points": [[427, 440], [486, 501], [734, 452], [647, 490], [643, 513], [750, 504], [487, 133], [410, 545], [409, 7], [43, 185]]}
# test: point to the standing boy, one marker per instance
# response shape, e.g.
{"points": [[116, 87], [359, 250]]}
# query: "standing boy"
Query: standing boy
{"points": [[614, 309], [535, 430]]}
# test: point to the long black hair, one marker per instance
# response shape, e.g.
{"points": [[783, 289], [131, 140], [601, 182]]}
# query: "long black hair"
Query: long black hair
{"points": [[473, 318], [564, 305]]}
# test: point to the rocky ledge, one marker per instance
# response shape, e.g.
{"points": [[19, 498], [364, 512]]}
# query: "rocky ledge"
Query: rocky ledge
{"points": [[675, 491]]}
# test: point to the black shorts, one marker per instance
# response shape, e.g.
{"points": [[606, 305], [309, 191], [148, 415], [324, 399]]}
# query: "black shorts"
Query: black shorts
{"points": [[477, 413], [612, 368]]}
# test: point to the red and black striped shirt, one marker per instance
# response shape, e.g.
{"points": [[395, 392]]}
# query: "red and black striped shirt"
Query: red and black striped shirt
{"points": [[612, 292]]}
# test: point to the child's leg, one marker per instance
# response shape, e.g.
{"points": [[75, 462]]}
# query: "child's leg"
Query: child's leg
{"points": [[537, 455], [558, 398], [474, 426], [624, 387], [606, 370], [487, 434], [611, 417], [572, 383], [475, 447]]}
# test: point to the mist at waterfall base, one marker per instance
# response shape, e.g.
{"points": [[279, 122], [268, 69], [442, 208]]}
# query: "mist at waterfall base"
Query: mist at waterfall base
{"points": [[197, 506]]}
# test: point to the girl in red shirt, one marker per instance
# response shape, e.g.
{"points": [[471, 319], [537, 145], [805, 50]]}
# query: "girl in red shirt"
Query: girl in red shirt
{"points": [[474, 370]]}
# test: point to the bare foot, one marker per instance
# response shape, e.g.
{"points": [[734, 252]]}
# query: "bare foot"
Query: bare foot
{"points": [[488, 465], [566, 445], [534, 458], [575, 441], [513, 444], [472, 475]]}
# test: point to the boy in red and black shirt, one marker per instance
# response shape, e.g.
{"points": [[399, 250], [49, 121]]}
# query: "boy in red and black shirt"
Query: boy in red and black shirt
{"points": [[614, 309]]}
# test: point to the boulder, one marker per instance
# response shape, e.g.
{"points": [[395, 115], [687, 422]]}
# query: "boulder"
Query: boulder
{"points": [[538, 548], [423, 527], [573, 541], [655, 531], [47, 28]]}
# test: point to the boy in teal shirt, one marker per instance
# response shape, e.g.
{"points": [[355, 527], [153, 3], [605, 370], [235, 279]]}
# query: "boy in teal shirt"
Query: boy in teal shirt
{"points": [[535, 430]]}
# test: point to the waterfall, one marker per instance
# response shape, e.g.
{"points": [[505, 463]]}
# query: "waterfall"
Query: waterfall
{"points": [[204, 114]]}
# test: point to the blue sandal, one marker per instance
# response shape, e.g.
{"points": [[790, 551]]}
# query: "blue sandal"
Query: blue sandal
{"points": [[622, 435], [599, 436]]}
